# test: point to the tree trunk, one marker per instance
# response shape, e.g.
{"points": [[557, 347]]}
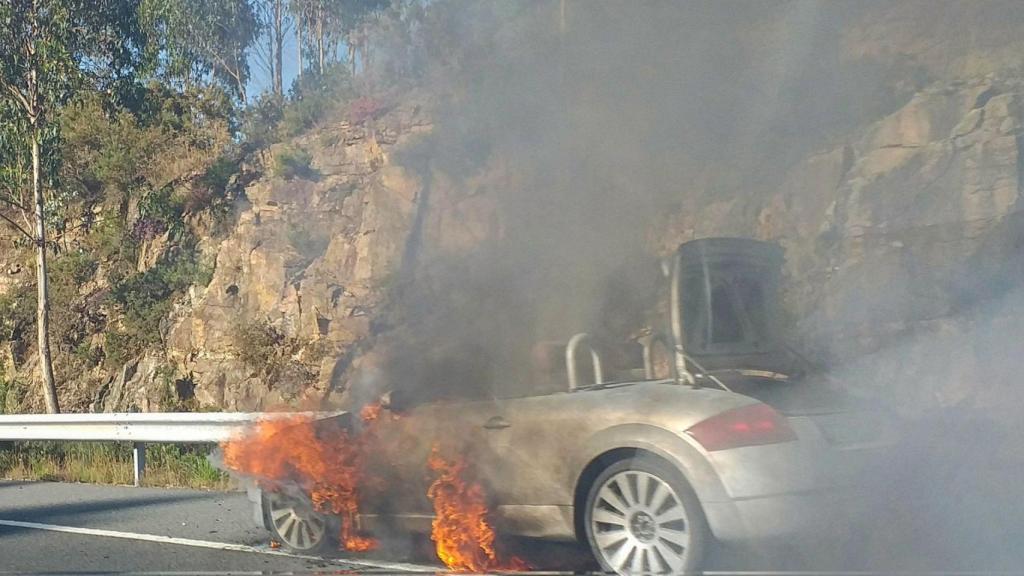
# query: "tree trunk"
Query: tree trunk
{"points": [[331, 50], [278, 80], [43, 292], [241, 89], [298, 44], [320, 36], [365, 48], [352, 59]]}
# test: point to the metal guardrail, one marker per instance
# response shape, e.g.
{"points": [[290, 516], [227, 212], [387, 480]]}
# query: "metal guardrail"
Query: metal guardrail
{"points": [[138, 428]]}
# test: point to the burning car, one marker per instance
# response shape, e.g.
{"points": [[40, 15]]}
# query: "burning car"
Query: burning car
{"points": [[723, 435]]}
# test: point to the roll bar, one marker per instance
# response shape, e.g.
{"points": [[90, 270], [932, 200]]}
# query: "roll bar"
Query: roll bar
{"points": [[648, 342], [570, 359], [683, 376]]}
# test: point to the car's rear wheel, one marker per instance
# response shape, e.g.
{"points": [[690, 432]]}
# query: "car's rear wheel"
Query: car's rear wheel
{"points": [[641, 517], [294, 522]]}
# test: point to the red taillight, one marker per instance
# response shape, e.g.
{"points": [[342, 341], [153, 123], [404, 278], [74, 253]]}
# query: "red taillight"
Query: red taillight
{"points": [[752, 425]]}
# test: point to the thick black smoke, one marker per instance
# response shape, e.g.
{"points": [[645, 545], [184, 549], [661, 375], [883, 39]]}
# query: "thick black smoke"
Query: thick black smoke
{"points": [[582, 127]]}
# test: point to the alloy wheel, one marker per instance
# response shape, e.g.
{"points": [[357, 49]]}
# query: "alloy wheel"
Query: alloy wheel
{"points": [[295, 522], [640, 525]]}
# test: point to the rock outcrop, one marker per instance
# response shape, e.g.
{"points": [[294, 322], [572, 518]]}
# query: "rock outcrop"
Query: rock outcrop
{"points": [[312, 256], [903, 244]]}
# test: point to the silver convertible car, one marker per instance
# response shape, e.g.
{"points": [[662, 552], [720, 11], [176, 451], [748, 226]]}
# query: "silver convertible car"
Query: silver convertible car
{"points": [[722, 435]]}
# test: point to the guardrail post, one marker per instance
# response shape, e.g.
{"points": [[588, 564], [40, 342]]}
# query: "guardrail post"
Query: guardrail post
{"points": [[139, 461]]}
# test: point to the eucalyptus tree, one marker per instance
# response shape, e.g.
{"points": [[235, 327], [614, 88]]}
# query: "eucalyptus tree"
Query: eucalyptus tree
{"points": [[52, 52], [203, 41]]}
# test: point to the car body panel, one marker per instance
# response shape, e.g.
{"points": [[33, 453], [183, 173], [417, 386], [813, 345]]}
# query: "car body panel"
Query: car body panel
{"points": [[404, 443], [538, 459], [532, 463]]}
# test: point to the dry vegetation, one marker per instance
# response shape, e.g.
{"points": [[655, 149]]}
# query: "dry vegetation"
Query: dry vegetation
{"points": [[166, 465]]}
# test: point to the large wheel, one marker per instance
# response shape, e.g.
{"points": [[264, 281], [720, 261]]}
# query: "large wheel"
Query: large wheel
{"points": [[641, 517], [295, 523]]}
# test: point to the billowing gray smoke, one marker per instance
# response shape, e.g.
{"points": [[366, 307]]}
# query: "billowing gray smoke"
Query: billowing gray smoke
{"points": [[575, 141]]}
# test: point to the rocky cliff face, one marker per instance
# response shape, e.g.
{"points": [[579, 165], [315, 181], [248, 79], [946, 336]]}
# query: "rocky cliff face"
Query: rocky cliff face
{"points": [[903, 245], [902, 235], [309, 263]]}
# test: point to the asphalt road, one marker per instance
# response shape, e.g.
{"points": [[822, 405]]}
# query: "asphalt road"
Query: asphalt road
{"points": [[29, 550], [59, 528], [56, 527], [35, 518]]}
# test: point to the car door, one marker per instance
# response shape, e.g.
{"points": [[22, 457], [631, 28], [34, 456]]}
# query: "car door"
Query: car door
{"points": [[530, 449], [406, 437]]}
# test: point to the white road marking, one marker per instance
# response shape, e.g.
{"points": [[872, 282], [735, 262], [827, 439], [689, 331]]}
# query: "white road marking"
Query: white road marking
{"points": [[382, 565]]}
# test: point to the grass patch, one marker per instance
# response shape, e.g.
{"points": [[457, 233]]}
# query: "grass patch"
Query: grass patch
{"points": [[185, 466]]}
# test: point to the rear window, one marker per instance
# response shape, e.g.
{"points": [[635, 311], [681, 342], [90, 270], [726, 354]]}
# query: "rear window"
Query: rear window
{"points": [[725, 310]]}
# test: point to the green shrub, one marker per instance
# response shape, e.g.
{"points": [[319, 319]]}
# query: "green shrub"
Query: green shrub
{"points": [[328, 139], [261, 121], [202, 273], [170, 400], [17, 314], [67, 274], [110, 244], [293, 163], [12, 392], [4, 388], [71, 321], [220, 172], [313, 97], [144, 300], [77, 267], [183, 465], [209, 191], [272, 355], [257, 342], [87, 355], [300, 116], [120, 347], [163, 206], [309, 240]]}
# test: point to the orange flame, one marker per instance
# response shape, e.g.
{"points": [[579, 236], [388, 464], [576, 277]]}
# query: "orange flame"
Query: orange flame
{"points": [[461, 530], [330, 464], [370, 412], [322, 459]]}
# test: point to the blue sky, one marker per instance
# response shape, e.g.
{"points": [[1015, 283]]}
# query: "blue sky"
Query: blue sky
{"points": [[259, 79]]}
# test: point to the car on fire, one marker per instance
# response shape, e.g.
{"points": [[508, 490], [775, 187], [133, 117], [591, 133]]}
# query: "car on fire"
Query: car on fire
{"points": [[723, 435]]}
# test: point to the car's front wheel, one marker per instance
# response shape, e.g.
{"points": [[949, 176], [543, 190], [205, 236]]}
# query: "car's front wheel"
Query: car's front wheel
{"points": [[641, 517], [294, 522]]}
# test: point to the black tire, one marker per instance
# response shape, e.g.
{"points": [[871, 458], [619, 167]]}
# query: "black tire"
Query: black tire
{"points": [[306, 531], [638, 528]]}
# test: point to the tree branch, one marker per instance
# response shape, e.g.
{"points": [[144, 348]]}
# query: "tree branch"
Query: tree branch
{"points": [[19, 96], [12, 203], [16, 226]]}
